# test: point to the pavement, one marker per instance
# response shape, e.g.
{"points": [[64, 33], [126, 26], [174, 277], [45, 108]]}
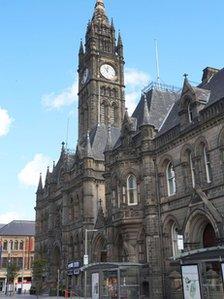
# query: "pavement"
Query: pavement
{"points": [[27, 296]]}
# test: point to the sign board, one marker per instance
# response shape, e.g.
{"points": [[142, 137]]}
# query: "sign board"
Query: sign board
{"points": [[86, 260], [73, 268], [95, 286], [191, 284]]}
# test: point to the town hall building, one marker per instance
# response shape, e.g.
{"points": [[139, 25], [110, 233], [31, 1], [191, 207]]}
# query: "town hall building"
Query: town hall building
{"points": [[143, 194]]}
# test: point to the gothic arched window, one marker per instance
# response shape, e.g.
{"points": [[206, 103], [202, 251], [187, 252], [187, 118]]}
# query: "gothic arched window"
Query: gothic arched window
{"points": [[102, 114], [171, 181], [132, 190], [190, 112], [208, 170], [192, 169], [177, 240]]}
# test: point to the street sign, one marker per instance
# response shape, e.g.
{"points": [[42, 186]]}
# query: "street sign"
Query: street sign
{"points": [[73, 268], [86, 260]]}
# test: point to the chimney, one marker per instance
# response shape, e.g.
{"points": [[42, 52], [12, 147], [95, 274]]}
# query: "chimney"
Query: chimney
{"points": [[208, 73]]}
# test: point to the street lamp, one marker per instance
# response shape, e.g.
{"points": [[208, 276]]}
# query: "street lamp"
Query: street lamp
{"points": [[86, 259]]}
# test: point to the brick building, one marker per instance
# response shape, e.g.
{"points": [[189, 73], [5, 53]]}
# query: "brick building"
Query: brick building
{"points": [[151, 184], [17, 246]]}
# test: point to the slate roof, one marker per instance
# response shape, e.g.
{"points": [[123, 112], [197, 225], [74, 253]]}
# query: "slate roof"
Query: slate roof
{"points": [[98, 139], [209, 93], [159, 103], [1, 225], [216, 86], [18, 228]]}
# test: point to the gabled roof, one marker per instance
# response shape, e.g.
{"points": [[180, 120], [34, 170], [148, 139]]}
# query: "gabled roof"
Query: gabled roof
{"points": [[216, 87], [98, 140], [159, 102], [18, 228], [209, 93]]}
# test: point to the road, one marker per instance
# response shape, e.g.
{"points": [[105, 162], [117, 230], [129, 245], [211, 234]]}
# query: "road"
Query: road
{"points": [[27, 296]]}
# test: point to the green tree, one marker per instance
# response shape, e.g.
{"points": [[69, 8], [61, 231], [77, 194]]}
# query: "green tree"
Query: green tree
{"points": [[11, 272], [39, 269]]}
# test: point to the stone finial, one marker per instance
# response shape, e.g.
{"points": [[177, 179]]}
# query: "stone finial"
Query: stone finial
{"points": [[81, 49], [146, 118], [88, 148]]}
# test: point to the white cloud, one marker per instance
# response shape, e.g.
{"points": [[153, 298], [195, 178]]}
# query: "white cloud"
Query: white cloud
{"points": [[131, 100], [29, 175], [64, 98], [135, 81], [135, 78], [5, 122], [9, 216]]}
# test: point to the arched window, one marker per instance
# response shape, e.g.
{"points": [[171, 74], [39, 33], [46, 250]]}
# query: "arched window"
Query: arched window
{"points": [[5, 245], [177, 240], [112, 118], [21, 245], [132, 190], [16, 245], [102, 114], [190, 112], [192, 169], [171, 181], [208, 169]]}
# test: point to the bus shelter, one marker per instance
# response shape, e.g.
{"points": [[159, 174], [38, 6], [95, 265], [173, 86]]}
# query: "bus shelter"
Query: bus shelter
{"points": [[203, 273], [113, 280]]}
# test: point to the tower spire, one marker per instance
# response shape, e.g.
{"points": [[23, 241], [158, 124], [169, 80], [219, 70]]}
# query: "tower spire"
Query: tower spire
{"points": [[99, 12]]}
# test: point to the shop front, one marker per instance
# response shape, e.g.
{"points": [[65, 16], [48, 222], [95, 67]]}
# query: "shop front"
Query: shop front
{"points": [[113, 280], [203, 273]]}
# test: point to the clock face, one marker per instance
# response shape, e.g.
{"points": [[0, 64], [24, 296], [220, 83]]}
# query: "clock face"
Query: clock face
{"points": [[107, 71], [85, 76]]}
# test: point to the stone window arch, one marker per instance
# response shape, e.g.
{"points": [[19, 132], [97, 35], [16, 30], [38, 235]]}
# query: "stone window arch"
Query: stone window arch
{"points": [[190, 111], [170, 179], [188, 167], [132, 194], [201, 231], [177, 240], [203, 160]]}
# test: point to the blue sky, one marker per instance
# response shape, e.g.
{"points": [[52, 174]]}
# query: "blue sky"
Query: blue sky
{"points": [[39, 41]]}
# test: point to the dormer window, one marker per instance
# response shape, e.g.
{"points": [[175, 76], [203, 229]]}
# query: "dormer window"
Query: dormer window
{"points": [[190, 112]]}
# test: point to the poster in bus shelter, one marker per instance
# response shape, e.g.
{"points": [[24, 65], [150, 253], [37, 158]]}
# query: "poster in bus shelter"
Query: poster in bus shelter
{"points": [[191, 283], [95, 286], [222, 271]]}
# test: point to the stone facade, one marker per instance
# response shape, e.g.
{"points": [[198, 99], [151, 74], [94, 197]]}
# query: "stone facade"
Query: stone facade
{"points": [[151, 184]]}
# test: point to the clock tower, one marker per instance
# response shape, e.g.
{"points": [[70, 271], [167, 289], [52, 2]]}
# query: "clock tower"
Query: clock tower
{"points": [[101, 74]]}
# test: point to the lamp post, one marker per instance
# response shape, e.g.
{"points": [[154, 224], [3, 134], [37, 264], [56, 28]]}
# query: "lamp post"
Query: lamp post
{"points": [[86, 259]]}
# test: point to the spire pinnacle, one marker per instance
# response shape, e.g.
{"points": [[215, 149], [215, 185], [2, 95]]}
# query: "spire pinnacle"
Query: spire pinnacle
{"points": [[88, 149], [145, 119], [109, 139], [81, 49], [40, 185]]}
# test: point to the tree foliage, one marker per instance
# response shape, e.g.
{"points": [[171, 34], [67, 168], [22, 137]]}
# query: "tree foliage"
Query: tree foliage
{"points": [[12, 272], [39, 269]]}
